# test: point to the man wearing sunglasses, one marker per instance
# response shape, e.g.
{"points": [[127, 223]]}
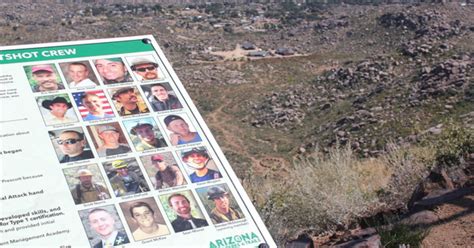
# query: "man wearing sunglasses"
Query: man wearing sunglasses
{"points": [[145, 69], [72, 143]]}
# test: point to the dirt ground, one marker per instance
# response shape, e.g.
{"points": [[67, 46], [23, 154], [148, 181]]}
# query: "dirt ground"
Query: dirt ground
{"points": [[456, 228]]}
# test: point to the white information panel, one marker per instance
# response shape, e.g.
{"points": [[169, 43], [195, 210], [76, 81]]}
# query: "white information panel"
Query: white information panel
{"points": [[101, 146]]}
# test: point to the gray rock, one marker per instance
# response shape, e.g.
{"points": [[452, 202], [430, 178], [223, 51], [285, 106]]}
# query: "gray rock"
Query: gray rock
{"points": [[425, 217]]}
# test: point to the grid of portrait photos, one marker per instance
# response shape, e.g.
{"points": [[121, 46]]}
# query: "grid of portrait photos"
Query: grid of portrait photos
{"points": [[135, 161]]}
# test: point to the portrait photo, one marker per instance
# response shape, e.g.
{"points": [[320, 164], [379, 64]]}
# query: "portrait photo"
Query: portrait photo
{"points": [[183, 211], [161, 97], [71, 144], [163, 170], [56, 109], [144, 134], [86, 184], [79, 74], [109, 139], [93, 105], [125, 177], [180, 130], [220, 204], [112, 70], [145, 68], [128, 101], [103, 227], [199, 164], [43, 77], [144, 219]]}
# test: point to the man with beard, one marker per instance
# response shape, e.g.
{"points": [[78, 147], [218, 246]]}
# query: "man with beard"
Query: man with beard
{"points": [[126, 182], [103, 223], [45, 78], [146, 134], [222, 211], [127, 97], [144, 216], [145, 69], [112, 70], [181, 134], [184, 219], [86, 190], [166, 176], [72, 143], [160, 99], [109, 136], [79, 73], [57, 111], [93, 104], [198, 159]]}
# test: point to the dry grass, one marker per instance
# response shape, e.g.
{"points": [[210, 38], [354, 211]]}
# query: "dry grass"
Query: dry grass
{"points": [[329, 192]]}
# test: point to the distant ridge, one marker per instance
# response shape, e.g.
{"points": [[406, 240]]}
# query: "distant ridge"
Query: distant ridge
{"points": [[184, 2]]}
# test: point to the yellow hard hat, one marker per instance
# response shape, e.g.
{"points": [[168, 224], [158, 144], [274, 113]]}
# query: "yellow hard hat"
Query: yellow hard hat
{"points": [[119, 164]]}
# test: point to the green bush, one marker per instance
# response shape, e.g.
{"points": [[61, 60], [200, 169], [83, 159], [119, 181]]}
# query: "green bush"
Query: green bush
{"points": [[402, 236], [454, 144]]}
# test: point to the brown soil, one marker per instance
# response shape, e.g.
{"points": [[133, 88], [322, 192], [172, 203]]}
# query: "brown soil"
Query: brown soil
{"points": [[456, 225], [239, 53]]}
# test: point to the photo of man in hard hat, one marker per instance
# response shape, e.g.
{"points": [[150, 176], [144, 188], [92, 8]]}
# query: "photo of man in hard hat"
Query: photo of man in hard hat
{"points": [[125, 177], [200, 165], [220, 204], [86, 184], [128, 101]]}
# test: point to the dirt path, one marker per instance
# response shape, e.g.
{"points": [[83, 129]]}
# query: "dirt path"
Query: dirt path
{"points": [[238, 53], [233, 138], [457, 226]]}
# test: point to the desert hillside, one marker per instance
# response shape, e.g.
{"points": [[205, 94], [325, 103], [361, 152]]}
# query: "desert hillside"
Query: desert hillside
{"points": [[342, 121]]}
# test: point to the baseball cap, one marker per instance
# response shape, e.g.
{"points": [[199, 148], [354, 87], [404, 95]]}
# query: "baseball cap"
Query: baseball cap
{"points": [[102, 129], [133, 131], [157, 157], [37, 68], [171, 118]]}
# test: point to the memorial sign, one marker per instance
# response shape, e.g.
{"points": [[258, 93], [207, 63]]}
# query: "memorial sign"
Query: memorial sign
{"points": [[101, 146]]}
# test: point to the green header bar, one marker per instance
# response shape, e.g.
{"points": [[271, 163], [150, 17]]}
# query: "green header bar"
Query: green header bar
{"points": [[73, 51]]}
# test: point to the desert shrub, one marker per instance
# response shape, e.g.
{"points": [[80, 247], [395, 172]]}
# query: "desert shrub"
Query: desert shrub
{"points": [[453, 145], [320, 193], [409, 166], [328, 192]]}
